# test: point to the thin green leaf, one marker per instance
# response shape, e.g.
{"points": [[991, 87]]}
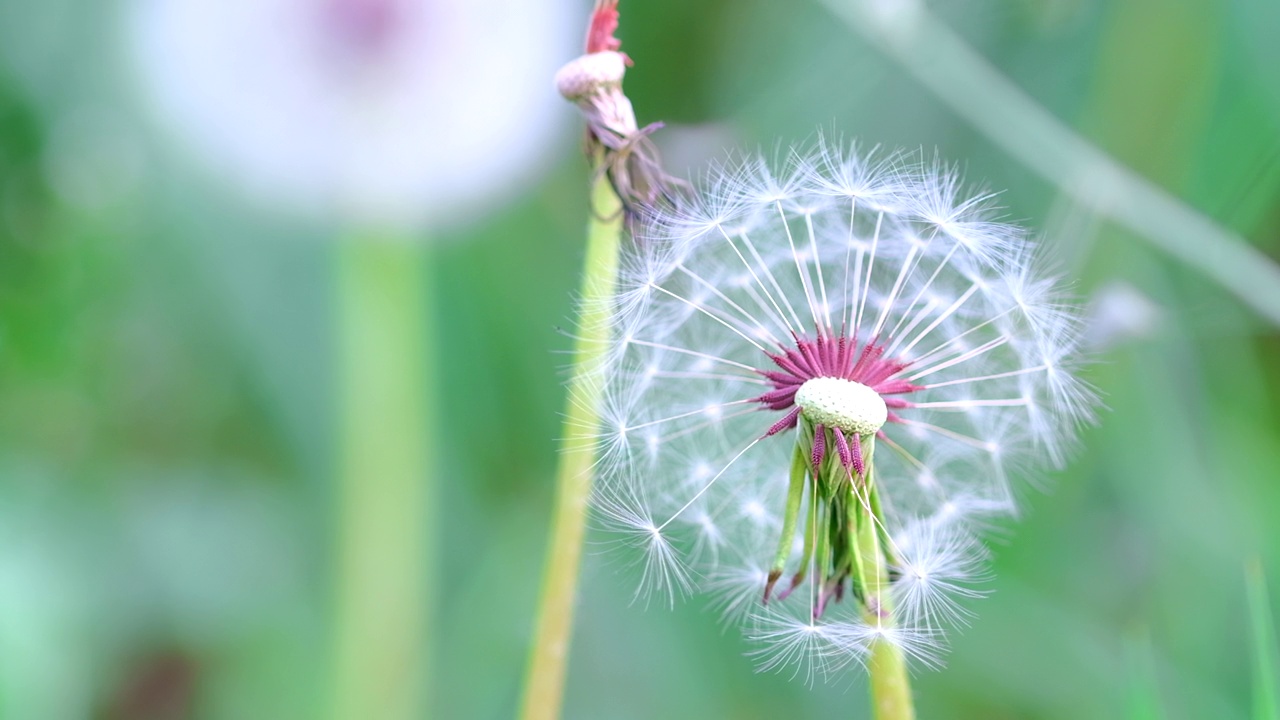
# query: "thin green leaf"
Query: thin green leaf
{"points": [[1266, 696], [1144, 685]]}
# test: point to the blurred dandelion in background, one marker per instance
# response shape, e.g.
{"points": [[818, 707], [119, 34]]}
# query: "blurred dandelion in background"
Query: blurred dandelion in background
{"points": [[383, 118], [388, 111], [825, 381]]}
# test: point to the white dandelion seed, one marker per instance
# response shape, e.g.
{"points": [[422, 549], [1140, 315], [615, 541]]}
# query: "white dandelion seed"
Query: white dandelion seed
{"points": [[910, 345]]}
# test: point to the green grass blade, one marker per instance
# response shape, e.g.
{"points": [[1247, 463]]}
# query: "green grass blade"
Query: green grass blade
{"points": [[1143, 702], [1266, 696]]}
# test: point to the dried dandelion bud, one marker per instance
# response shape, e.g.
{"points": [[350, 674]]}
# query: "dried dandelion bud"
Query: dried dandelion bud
{"points": [[593, 82]]}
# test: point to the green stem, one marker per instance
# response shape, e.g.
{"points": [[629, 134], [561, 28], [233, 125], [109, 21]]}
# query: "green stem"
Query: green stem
{"points": [[383, 499], [890, 682], [1266, 697], [544, 681]]}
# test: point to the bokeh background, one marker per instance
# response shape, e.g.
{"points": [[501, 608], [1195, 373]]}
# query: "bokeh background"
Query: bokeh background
{"points": [[171, 353]]}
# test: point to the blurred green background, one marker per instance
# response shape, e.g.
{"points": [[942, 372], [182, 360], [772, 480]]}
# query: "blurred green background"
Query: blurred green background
{"points": [[169, 418]]}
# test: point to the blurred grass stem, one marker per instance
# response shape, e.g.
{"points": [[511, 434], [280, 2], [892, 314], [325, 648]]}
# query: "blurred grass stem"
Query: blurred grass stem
{"points": [[544, 682], [1266, 695], [382, 498], [978, 92]]}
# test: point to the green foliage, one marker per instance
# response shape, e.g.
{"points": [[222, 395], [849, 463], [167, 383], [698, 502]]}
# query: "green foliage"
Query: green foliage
{"points": [[1266, 686]]}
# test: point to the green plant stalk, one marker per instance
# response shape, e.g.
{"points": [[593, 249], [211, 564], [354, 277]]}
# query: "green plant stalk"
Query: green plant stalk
{"points": [[1144, 681], [544, 681], [887, 668], [382, 497], [1266, 696], [890, 683]]}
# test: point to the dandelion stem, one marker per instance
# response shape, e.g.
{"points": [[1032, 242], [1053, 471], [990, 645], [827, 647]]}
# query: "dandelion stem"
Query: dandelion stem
{"points": [[544, 681], [977, 91], [382, 496], [890, 683], [1266, 694]]}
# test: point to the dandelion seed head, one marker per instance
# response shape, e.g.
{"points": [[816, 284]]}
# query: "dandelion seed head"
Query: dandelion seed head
{"points": [[854, 332]]}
